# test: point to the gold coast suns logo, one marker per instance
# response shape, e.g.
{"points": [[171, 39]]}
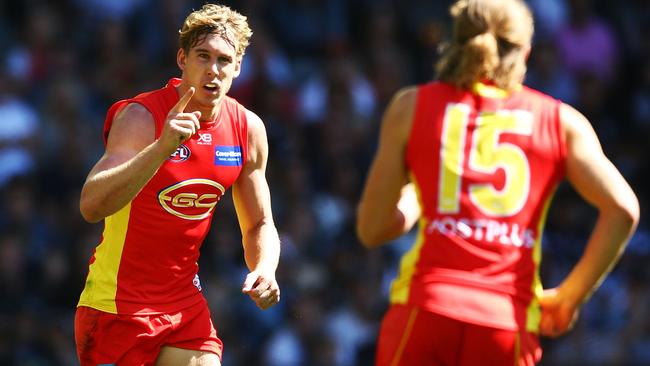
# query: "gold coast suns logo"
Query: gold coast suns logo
{"points": [[192, 199]]}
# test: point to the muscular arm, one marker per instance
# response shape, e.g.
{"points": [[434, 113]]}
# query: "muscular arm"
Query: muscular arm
{"points": [[253, 205], [132, 157], [130, 160], [598, 181], [389, 206]]}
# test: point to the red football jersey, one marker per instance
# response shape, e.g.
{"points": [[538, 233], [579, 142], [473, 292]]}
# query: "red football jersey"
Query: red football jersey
{"points": [[486, 164], [146, 262]]}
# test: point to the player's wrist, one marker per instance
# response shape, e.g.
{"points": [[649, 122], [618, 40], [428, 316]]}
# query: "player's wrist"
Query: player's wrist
{"points": [[267, 270], [572, 294], [164, 148]]}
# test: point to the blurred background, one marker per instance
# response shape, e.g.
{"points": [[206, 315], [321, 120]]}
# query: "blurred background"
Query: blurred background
{"points": [[319, 73]]}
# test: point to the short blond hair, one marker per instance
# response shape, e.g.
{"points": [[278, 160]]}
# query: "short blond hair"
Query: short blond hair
{"points": [[215, 19], [488, 38]]}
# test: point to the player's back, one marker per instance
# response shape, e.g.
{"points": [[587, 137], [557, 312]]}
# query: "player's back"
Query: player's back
{"points": [[485, 163]]}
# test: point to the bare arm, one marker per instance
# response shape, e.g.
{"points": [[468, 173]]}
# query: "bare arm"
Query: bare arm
{"points": [[598, 181], [253, 204], [132, 157], [389, 205]]}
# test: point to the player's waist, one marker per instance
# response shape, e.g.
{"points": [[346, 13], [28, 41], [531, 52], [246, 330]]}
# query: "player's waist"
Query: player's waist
{"points": [[499, 283], [481, 306], [150, 306]]}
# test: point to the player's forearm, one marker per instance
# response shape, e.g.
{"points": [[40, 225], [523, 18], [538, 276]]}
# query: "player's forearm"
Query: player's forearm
{"points": [[608, 239], [107, 191], [262, 248]]}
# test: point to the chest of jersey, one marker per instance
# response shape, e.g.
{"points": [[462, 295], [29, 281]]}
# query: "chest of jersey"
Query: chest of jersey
{"points": [[192, 180]]}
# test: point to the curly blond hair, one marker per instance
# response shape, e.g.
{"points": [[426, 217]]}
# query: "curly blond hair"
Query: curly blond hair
{"points": [[488, 39], [215, 19]]}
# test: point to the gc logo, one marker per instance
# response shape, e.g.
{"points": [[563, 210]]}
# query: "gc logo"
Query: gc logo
{"points": [[192, 199]]}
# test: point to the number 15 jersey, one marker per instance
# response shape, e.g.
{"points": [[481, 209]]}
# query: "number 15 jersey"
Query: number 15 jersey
{"points": [[485, 164]]}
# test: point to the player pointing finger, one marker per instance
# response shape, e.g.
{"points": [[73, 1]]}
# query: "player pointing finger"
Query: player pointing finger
{"points": [[179, 125]]}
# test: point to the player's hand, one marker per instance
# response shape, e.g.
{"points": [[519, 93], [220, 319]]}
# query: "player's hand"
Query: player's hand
{"points": [[262, 288], [559, 313], [180, 126]]}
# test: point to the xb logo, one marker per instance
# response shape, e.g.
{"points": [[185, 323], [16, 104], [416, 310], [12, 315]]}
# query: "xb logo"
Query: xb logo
{"points": [[205, 139], [192, 199]]}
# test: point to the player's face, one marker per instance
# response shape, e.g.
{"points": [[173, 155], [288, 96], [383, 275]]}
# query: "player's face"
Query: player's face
{"points": [[210, 68]]}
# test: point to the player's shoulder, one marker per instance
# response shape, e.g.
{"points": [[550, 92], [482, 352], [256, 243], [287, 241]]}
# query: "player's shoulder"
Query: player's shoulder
{"points": [[232, 105], [237, 111], [574, 123], [398, 117], [253, 120], [132, 127], [434, 86], [405, 96], [536, 95], [134, 112], [255, 129]]}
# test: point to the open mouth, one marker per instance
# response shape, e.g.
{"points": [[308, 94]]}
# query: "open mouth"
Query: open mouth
{"points": [[211, 87]]}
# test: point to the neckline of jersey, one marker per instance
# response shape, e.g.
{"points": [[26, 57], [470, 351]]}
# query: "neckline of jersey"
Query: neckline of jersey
{"points": [[487, 89]]}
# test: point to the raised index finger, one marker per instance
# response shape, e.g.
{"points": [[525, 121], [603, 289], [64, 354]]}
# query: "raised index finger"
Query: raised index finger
{"points": [[182, 103]]}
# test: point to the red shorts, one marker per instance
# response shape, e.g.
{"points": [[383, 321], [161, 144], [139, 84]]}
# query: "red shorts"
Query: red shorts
{"points": [[410, 336], [104, 338]]}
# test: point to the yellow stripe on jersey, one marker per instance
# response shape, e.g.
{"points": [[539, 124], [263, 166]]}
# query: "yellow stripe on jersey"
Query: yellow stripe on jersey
{"points": [[533, 313], [101, 284], [399, 289]]}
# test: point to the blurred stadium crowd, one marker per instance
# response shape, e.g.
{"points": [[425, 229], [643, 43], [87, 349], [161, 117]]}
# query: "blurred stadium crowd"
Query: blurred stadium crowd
{"points": [[319, 73]]}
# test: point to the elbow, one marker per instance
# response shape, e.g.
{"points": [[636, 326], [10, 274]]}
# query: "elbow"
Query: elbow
{"points": [[89, 216], [369, 231], [89, 213], [627, 213], [631, 213], [368, 236]]}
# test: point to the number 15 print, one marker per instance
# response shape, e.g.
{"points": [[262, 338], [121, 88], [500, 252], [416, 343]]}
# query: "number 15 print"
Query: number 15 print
{"points": [[486, 155]]}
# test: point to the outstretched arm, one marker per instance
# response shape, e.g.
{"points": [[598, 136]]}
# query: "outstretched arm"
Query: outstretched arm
{"points": [[598, 181], [253, 204], [389, 205], [132, 157]]}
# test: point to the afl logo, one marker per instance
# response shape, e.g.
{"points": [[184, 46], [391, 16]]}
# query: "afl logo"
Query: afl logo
{"points": [[181, 154], [192, 199]]}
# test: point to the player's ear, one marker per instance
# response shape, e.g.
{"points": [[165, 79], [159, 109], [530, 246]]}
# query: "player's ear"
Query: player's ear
{"points": [[526, 53], [238, 66], [180, 58]]}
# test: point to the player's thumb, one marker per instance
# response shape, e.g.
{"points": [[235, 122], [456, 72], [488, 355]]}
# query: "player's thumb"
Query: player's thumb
{"points": [[249, 282], [546, 324], [197, 114]]}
